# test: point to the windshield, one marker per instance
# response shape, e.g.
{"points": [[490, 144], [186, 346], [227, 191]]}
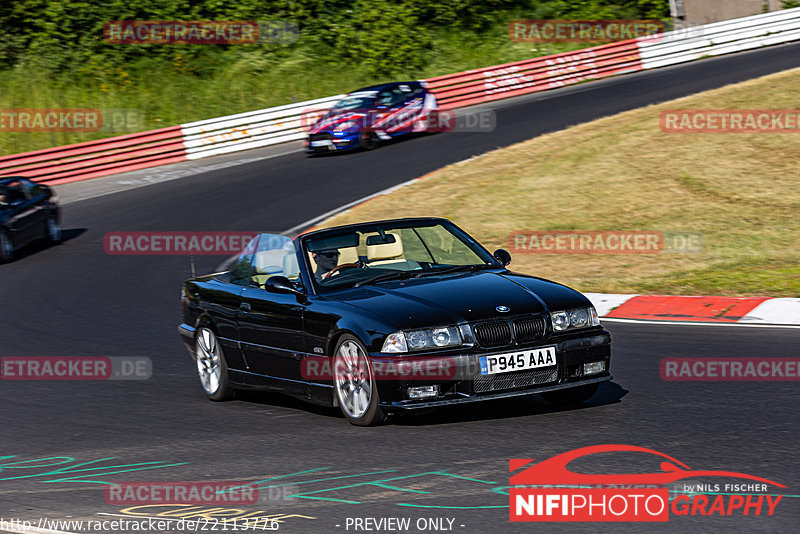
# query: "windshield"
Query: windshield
{"points": [[12, 193], [381, 252], [354, 102]]}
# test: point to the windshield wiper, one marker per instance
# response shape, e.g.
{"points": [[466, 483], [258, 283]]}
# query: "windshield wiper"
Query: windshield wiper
{"points": [[402, 275], [395, 275], [454, 269]]}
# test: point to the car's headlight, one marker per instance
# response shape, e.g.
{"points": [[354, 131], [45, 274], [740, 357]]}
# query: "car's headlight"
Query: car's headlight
{"points": [[395, 343], [345, 126], [426, 338], [577, 318]]}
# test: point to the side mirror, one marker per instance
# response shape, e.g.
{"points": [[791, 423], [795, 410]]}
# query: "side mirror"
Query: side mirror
{"points": [[281, 284], [503, 256]]}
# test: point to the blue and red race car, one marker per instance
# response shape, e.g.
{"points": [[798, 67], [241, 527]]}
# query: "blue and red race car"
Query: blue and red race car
{"points": [[366, 117]]}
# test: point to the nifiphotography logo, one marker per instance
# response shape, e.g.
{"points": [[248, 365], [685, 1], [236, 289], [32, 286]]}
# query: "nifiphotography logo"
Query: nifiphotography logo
{"points": [[548, 491]]}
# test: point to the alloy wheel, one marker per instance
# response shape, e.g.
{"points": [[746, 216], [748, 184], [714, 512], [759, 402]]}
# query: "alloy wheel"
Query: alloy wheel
{"points": [[354, 384], [208, 360]]}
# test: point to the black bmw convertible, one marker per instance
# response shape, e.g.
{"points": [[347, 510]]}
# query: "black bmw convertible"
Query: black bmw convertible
{"points": [[390, 316]]}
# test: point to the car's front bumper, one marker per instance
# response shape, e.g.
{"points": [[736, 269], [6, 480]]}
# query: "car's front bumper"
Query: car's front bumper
{"points": [[322, 143], [464, 399], [187, 336], [459, 380]]}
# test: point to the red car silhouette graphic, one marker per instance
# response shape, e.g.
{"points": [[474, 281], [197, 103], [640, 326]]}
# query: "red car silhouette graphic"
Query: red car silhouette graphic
{"points": [[554, 470]]}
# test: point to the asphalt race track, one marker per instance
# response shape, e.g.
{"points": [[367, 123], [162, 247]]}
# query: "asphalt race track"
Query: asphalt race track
{"points": [[448, 465]]}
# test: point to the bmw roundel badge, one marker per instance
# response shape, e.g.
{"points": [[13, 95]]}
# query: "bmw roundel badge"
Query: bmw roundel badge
{"points": [[503, 309]]}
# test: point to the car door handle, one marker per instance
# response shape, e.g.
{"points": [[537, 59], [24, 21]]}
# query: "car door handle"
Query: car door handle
{"points": [[244, 306]]}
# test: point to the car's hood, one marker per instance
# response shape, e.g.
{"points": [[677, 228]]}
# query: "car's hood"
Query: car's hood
{"points": [[465, 297], [331, 120]]}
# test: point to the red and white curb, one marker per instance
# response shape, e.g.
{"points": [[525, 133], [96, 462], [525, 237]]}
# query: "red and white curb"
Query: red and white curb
{"points": [[698, 309]]}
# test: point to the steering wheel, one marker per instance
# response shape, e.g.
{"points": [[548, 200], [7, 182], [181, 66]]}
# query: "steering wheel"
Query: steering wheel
{"points": [[337, 269]]}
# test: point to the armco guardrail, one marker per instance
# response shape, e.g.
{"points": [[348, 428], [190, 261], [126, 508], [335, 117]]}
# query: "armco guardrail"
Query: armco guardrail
{"points": [[286, 123], [97, 158], [71, 163], [251, 130], [721, 38], [532, 75]]}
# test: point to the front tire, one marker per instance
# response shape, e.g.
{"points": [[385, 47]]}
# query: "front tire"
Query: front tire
{"points": [[355, 385], [53, 229], [574, 395], [368, 140], [6, 247], [211, 366]]}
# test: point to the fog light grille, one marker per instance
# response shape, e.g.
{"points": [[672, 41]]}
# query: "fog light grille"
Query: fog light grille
{"points": [[499, 382], [423, 392]]}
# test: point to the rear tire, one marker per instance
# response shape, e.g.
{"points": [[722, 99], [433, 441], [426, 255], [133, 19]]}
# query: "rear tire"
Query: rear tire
{"points": [[211, 366], [355, 385], [574, 395], [6, 247]]}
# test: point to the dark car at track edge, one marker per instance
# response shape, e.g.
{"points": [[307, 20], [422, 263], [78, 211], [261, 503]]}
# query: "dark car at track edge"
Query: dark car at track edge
{"points": [[390, 316], [29, 212]]}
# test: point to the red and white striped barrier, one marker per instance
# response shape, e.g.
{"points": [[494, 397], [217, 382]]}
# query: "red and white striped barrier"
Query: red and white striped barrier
{"points": [[71, 163], [280, 124], [531, 75]]}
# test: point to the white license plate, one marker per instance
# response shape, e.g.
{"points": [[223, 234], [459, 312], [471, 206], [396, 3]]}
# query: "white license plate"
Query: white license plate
{"points": [[326, 142], [518, 361]]}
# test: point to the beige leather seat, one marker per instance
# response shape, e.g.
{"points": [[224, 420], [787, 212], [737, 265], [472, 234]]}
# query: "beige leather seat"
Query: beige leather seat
{"points": [[267, 263], [348, 255], [291, 269], [386, 253]]}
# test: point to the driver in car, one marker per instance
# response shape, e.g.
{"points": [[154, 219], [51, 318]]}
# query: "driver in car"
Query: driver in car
{"points": [[326, 260]]}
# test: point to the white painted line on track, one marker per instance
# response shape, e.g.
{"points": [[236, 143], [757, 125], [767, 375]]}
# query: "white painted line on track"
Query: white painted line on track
{"points": [[341, 209]]}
